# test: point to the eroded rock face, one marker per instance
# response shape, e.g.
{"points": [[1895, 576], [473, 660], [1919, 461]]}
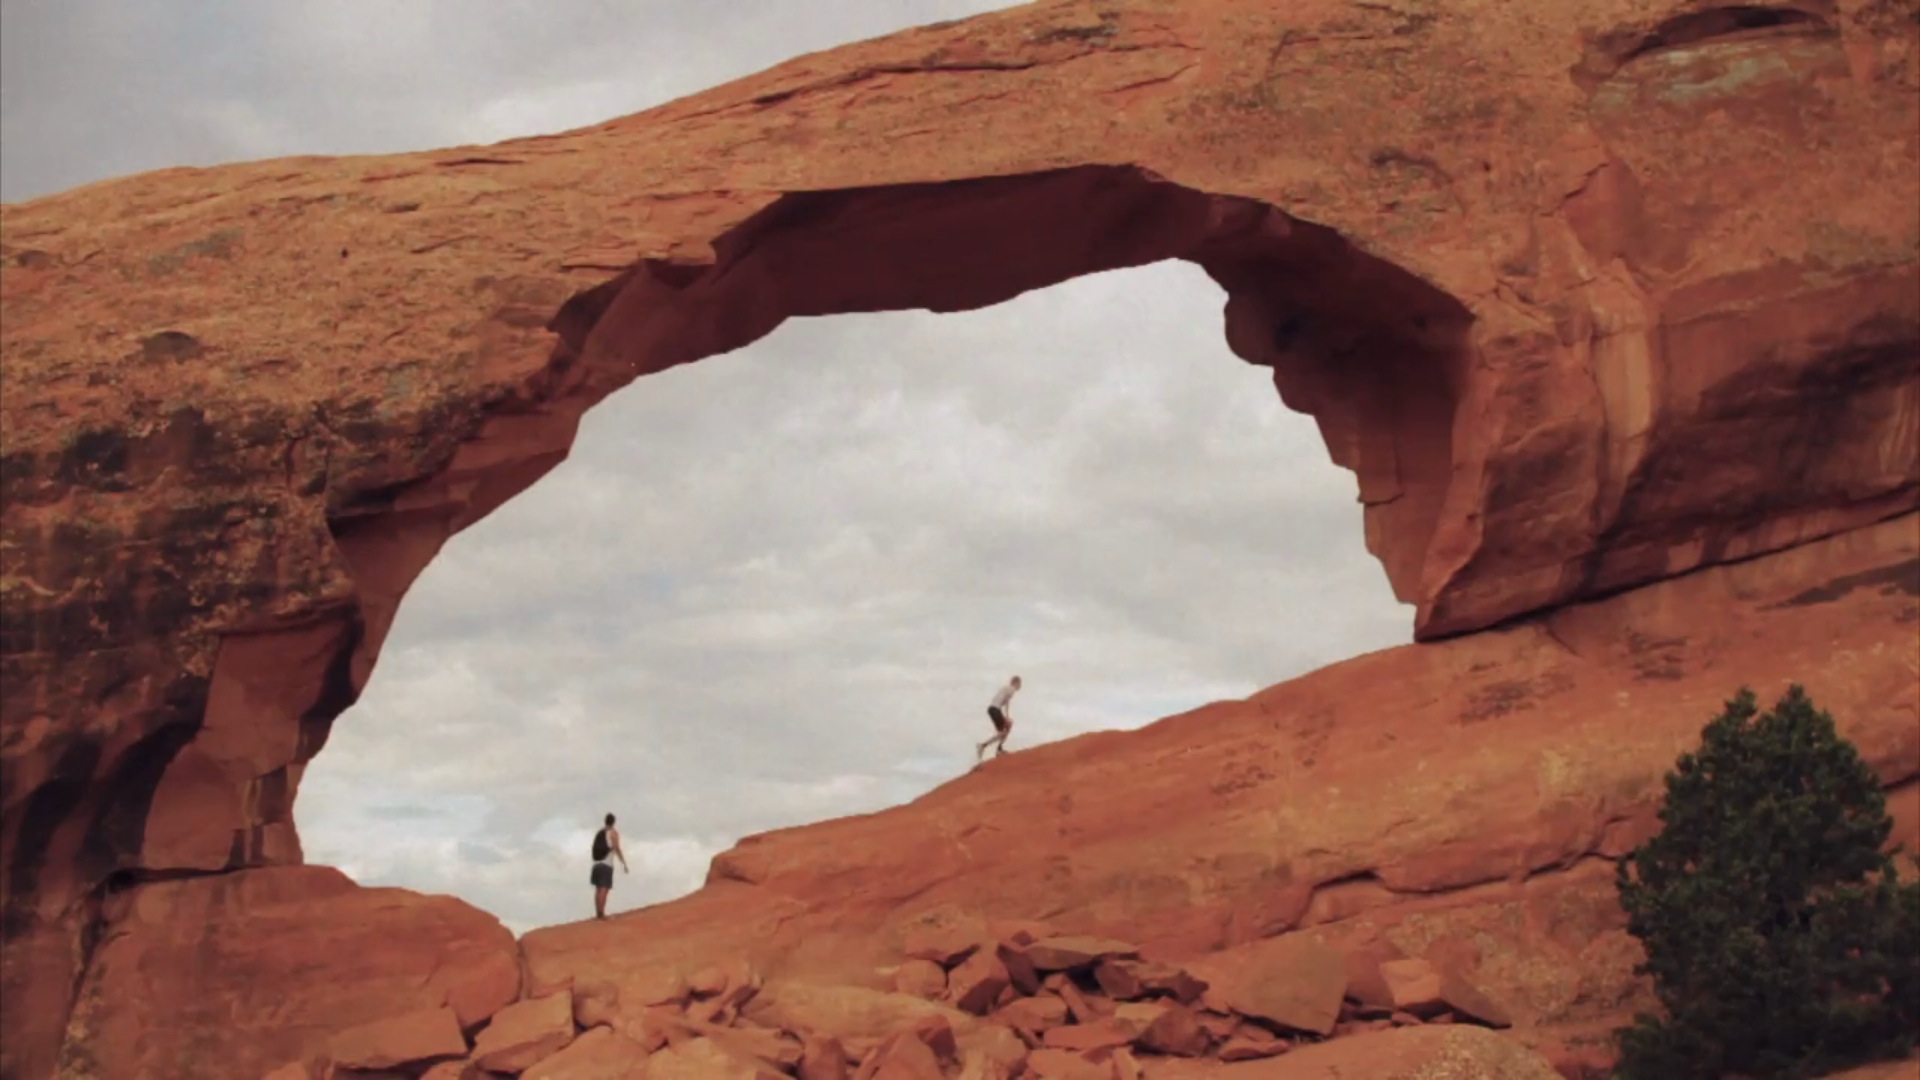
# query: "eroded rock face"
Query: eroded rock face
{"points": [[1586, 294], [1460, 801], [234, 974]]}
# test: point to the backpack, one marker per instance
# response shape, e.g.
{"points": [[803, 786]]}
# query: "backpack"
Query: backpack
{"points": [[600, 846]]}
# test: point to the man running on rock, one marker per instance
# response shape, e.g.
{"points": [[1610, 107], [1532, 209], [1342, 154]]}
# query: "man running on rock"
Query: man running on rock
{"points": [[605, 842], [1002, 723]]}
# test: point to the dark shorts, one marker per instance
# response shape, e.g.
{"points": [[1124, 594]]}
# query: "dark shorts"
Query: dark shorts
{"points": [[602, 875], [1000, 721]]}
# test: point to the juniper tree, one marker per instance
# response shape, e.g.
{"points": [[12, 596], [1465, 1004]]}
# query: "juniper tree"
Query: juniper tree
{"points": [[1779, 938]]}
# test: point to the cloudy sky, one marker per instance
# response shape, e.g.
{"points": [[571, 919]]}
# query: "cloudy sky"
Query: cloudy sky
{"points": [[777, 586]]}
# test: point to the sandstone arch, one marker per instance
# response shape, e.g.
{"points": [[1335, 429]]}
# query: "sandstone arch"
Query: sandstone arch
{"points": [[1374, 353], [204, 782]]}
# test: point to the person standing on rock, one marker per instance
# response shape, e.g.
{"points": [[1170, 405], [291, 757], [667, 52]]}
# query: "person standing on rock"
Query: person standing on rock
{"points": [[1002, 723], [606, 842]]}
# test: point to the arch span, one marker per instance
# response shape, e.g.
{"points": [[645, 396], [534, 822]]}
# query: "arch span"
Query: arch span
{"points": [[1374, 354]]}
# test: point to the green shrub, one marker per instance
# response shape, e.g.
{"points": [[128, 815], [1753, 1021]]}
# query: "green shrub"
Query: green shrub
{"points": [[1779, 937]]}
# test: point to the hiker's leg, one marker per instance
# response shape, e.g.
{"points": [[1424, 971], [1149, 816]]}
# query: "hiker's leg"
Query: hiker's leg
{"points": [[600, 903], [1001, 725]]}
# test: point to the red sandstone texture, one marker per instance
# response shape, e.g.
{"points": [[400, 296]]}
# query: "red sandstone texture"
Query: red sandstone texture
{"points": [[1587, 295], [1422, 835], [233, 974]]}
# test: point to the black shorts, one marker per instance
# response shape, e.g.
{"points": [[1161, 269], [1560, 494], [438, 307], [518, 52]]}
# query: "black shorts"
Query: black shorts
{"points": [[1000, 721], [603, 875]]}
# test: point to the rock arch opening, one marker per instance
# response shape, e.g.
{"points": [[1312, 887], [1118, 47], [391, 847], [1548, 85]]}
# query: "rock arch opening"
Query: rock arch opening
{"points": [[1353, 341], [776, 588], [1376, 356]]}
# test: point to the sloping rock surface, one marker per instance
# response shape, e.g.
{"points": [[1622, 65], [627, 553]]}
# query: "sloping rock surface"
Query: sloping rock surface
{"points": [[234, 974], [1461, 801]]}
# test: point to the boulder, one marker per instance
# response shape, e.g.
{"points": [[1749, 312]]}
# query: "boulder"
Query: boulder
{"points": [[333, 955], [1104, 1034], [1083, 1007], [921, 978], [1252, 1045], [776, 1048], [1413, 986], [718, 992], [596, 1004], [937, 1034], [976, 984], [1293, 982], [736, 976], [421, 1037], [1365, 982], [822, 1058], [1118, 981], [1176, 1031], [1467, 1000], [599, 1054], [524, 1033], [1021, 974], [1074, 952], [1034, 1014], [1220, 1026], [1140, 1013], [1171, 981], [994, 1044], [902, 1057], [654, 1027]]}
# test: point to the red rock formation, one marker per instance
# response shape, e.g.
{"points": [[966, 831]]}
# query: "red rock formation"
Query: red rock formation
{"points": [[233, 974], [1460, 802], [1586, 294]]}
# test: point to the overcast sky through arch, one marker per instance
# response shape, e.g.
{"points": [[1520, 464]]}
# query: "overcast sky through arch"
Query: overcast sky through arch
{"points": [[779, 585]]}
